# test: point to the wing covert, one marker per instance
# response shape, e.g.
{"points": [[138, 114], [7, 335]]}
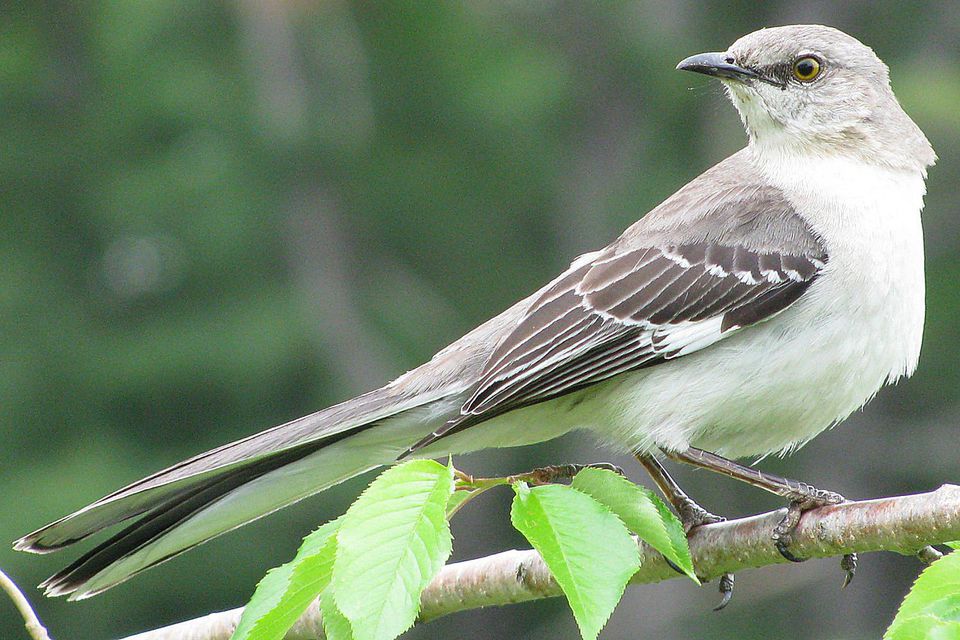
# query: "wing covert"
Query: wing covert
{"points": [[726, 251], [631, 309]]}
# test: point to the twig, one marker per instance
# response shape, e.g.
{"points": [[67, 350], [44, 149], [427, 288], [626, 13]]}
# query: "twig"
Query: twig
{"points": [[30, 620], [903, 524]]}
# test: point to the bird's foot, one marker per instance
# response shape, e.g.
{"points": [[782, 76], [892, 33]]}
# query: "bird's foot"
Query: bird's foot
{"points": [[692, 515], [805, 497], [726, 591]]}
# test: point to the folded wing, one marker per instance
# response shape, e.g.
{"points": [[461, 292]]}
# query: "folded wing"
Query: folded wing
{"points": [[633, 307]]}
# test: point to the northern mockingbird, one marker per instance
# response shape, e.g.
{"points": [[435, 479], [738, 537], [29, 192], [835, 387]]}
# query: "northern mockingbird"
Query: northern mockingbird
{"points": [[757, 306]]}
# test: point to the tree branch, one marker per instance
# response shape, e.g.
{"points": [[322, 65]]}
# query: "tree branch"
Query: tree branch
{"points": [[903, 524], [30, 620]]}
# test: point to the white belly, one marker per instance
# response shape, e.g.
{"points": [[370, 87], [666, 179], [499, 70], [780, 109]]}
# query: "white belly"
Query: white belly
{"points": [[773, 386]]}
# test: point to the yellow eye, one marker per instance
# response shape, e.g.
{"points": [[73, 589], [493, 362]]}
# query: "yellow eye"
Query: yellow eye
{"points": [[806, 69]]}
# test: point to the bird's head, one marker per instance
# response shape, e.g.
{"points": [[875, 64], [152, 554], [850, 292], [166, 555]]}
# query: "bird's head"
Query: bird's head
{"points": [[817, 88]]}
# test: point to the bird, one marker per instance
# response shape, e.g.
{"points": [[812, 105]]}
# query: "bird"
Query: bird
{"points": [[756, 307]]}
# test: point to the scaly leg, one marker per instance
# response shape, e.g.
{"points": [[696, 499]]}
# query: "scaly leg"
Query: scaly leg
{"points": [[691, 514], [801, 495]]}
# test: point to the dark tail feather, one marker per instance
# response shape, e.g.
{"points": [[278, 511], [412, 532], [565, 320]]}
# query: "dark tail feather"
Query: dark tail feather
{"points": [[173, 511], [198, 499]]}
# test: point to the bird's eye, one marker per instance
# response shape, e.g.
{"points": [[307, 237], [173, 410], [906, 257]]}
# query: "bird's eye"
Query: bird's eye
{"points": [[806, 69]]}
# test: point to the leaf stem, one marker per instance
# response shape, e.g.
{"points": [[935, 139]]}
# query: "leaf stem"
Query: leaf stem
{"points": [[541, 475], [535, 477]]}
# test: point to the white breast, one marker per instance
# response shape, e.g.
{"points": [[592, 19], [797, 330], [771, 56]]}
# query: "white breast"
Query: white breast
{"points": [[774, 386], [869, 219]]}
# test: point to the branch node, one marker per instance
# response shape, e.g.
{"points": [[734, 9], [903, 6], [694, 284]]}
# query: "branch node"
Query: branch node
{"points": [[902, 524]]}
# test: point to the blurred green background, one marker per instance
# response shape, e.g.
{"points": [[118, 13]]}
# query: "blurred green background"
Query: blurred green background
{"points": [[220, 216]]}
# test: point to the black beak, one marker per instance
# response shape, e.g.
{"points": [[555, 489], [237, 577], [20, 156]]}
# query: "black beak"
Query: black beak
{"points": [[720, 65]]}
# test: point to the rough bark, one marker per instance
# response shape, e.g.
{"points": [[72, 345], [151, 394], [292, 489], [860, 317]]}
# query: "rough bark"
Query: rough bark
{"points": [[902, 524]]}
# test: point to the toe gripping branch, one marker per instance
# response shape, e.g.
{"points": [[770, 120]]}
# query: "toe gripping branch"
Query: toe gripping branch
{"points": [[691, 515], [806, 498], [802, 497]]}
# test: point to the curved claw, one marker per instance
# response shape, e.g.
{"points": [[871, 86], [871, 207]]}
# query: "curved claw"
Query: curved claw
{"points": [[673, 565], [726, 591], [928, 555], [783, 548], [849, 564], [783, 533]]}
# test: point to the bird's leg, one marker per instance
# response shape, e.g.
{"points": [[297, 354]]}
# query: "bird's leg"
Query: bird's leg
{"points": [[801, 495], [691, 514]]}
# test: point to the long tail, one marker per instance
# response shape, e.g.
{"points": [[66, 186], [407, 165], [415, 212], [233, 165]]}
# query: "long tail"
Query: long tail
{"points": [[222, 489]]}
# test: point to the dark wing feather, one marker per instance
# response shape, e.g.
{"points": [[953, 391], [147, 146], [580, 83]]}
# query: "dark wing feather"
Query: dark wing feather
{"points": [[628, 310], [726, 251]]}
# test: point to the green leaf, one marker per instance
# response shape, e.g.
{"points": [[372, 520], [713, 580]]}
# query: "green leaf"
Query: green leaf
{"points": [[933, 605], [925, 627], [286, 591], [458, 498], [587, 548], [393, 540], [642, 511], [335, 624]]}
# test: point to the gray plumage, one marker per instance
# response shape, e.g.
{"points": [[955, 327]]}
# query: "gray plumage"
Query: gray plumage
{"points": [[726, 246], [769, 254], [850, 110]]}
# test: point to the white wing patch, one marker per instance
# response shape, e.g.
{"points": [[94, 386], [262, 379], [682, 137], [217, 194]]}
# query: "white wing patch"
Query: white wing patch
{"points": [[675, 340], [628, 308], [771, 276]]}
